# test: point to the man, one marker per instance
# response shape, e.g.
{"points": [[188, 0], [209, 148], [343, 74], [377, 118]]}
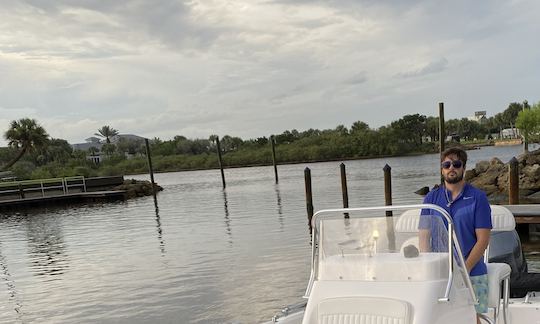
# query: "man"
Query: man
{"points": [[471, 215]]}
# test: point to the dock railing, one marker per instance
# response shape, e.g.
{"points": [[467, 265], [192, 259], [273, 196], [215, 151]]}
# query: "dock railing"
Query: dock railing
{"points": [[21, 188]]}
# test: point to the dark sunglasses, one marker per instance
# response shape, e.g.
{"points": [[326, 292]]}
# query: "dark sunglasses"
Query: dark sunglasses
{"points": [[456, 164]]}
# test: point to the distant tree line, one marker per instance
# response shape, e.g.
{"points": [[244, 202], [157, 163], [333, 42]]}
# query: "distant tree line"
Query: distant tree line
{"points": [[32, 154]]}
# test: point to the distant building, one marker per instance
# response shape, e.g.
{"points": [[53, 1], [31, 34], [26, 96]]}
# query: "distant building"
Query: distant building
{"points": [[510, 133], [89, 142], [128, 137], [479, 117], [98, 143]]}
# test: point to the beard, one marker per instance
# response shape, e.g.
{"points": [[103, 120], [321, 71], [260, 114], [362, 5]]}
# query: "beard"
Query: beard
{"points": [[453, 179]]}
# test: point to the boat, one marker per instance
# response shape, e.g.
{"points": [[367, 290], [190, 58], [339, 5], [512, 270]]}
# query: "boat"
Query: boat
{"points": [[367, 267]]}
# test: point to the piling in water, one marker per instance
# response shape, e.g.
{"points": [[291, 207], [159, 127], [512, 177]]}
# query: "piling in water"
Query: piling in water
{"points": [[274, 161], [309, 196], [218, 147], [388, 202], [344, 190], [441, 131], [150, 168]]}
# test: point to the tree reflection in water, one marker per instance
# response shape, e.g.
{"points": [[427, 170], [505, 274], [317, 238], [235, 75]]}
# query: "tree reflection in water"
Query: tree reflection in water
{"points": [[46, 245]]}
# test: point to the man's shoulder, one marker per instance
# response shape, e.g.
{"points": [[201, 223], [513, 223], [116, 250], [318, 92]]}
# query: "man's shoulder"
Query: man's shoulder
{"points": [[433, 192]]}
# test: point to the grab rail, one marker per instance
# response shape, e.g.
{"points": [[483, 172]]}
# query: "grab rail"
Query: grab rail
{"points": [[451, 242]]}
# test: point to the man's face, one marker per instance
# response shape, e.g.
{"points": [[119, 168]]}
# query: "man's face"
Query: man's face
{"points": [[450, 172]]}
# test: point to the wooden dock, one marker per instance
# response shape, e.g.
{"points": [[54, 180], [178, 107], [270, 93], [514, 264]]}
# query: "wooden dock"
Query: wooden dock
{"points": [[63, 199], [525, 214]]}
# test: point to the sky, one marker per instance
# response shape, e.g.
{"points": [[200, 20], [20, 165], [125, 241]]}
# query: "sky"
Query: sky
{"points": [[252, 68]]}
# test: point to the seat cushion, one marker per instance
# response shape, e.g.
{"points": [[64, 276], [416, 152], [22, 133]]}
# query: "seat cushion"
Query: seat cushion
{"points": [[496, 273], [364, 310]]}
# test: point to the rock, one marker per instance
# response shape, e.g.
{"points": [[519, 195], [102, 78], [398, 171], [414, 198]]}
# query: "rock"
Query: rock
{"points": [[535, 197], [495, 161], [492, 177], [531, 171], [422, 191], [490, 189], [481, 167], [470, 174], [137, 188], [487, 178]]}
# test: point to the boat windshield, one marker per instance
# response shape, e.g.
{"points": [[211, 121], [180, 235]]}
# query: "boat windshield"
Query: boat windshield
{"points": [[378, 245]]}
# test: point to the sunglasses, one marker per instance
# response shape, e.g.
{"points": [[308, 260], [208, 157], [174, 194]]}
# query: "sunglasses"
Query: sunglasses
{"points": [[456, 164]]}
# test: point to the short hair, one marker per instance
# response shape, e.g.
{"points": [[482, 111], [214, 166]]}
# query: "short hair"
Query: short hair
{"points": [[461, 154]]}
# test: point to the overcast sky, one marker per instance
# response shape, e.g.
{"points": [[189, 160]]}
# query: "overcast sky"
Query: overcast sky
{"points": [[252, 68]]}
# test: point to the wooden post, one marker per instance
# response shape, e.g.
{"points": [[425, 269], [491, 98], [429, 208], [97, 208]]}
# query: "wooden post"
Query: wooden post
{"points": [[309, 196], [441, 127], [218, 147], [150, 168], [21, 191], [513, 182], [388, 202], [442, 133], [344, 190], [273, 142]]}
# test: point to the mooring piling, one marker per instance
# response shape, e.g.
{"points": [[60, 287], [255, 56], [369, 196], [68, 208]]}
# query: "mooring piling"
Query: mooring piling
{"points": [[442, 131], [274, 161], [309, 196], [150, 168], [513, 182], [220, 162], [388, 202], [344, 190]]}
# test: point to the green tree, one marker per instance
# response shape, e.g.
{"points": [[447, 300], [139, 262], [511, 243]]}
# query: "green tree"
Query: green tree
{"points": [[528, 123], [106, 132], [25, 135], [359, 126], [410, 128]]}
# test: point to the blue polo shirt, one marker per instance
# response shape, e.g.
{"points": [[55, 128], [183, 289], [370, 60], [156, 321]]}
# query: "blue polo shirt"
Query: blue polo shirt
{"points": [[469, 211]]}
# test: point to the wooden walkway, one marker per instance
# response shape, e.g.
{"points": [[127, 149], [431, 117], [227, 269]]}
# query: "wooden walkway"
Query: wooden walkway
{"points": [[525, 214], [63, 199]]}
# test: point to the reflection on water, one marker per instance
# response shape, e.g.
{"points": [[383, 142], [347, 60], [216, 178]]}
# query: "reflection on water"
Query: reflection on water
{"points": [[227, 218], [46, 246], [158, 225], [111, 271], [10, 285], [279, 206]]}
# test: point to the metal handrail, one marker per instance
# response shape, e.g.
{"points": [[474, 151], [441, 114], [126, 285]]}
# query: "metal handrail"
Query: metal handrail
{"points": [[42, 185], [338, 212]]}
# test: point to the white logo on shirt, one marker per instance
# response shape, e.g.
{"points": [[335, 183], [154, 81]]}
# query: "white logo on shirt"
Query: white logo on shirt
{"points": [[464, 198]]}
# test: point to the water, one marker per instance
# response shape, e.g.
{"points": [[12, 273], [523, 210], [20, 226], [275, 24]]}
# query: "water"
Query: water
{"points": [[203, 255]]}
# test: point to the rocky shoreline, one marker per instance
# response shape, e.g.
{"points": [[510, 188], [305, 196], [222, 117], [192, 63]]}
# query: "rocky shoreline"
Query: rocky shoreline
{"points": [[492, 177], [137, 188]]}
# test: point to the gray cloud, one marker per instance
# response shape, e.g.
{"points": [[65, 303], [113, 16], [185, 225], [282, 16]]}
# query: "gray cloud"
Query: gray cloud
{"points": [[252, 68], [430, 68]]}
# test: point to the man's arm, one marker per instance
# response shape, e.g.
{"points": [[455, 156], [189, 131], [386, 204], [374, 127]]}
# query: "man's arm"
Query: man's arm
{"points": [[482, 241], [423, 240]]}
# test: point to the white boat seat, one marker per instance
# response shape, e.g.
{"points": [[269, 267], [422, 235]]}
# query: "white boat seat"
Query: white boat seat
{"points": [[408, 221], [502, 219], [363, 310], [499, 273]]}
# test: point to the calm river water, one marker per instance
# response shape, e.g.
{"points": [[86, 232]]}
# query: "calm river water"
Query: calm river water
{"points": [[204, 255]]}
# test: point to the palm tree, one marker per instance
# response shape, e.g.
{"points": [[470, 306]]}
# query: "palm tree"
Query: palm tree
{"points": [[107, 132], [25, 135]]}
